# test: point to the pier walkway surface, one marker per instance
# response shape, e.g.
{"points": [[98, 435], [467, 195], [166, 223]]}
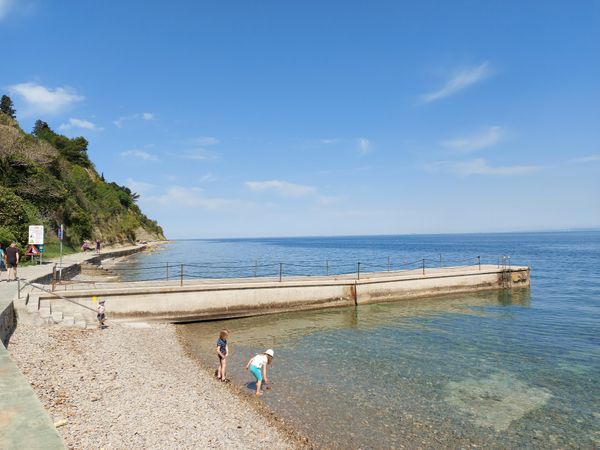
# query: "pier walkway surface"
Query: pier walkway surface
{"points": [[183, 300], [24, 424]]}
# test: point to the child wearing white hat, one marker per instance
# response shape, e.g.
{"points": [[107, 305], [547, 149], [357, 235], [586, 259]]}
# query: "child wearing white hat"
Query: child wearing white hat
{"points": [[258, 367]]}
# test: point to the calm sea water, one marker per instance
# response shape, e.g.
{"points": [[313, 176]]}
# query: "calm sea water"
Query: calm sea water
{"points": [[495, 370]]}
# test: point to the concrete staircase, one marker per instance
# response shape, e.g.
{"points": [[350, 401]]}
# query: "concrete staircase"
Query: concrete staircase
{"points": [[46, 309]]}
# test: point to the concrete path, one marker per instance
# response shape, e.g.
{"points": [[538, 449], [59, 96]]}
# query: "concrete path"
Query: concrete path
{"points": [[24, 424]]}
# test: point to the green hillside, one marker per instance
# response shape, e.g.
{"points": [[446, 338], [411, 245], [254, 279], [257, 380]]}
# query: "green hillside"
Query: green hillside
{"points": [[48, 179]]}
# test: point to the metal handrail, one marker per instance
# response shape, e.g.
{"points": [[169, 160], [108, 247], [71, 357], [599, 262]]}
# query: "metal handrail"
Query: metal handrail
{"points": [[50, 292], [268, 269]]}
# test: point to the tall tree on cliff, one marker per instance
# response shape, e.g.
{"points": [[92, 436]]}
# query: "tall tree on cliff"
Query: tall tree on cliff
{"points": [[6, 106]]}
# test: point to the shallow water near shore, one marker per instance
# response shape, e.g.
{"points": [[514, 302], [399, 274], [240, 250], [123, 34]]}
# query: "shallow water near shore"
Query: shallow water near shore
{"points": [[494, 369]]}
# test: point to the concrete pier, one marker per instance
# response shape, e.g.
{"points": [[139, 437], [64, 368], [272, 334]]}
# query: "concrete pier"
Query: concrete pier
{"points": [[196, 300]]}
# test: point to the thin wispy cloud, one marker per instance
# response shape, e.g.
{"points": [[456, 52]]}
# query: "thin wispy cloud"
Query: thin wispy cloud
{"points": [[41, 100], [364, 145], [83, 124], [487, 137], [283, 188], [200, 154], [176, 196], [480, 166], [329, 141], [589, 158], [208, 178], [140, 154], [141, 187], [204, 141], [461, 80], [146, 116], [191, 197], [196, 149]]}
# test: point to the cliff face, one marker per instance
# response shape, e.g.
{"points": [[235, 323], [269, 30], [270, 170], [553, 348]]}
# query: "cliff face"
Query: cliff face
{"points": [[48, 179]]}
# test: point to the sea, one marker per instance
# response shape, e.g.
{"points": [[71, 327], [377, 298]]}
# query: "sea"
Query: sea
{"points": [[497, 369]]}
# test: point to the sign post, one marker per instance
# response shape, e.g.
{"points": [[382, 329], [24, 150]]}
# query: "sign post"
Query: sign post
{"points": [[61, 233], [36, 237]]}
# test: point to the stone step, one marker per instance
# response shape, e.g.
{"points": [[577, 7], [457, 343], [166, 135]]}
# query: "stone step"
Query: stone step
{"points": [[57, 316], [45, 303], [81, 324], [68, 321], [44, 312]]}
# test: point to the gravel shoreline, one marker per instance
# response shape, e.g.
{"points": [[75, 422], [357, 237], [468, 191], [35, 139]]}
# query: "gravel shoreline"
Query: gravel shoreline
{"points": [[134, 386]]}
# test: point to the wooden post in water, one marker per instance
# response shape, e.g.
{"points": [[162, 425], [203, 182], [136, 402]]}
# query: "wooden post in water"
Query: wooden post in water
{"points": [[389, 264], [327, 267], [280, 271], [479, 262], [167, 271], [255, 267], [358, 270], [441, 263], [181, 275], [423, 265]]}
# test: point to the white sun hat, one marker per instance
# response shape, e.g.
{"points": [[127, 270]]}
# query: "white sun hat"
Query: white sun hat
{"points": [[269, 352]]}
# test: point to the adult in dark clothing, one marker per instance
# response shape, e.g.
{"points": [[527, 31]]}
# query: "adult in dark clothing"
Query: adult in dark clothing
{"points": [[12, 260], [2, 260]]}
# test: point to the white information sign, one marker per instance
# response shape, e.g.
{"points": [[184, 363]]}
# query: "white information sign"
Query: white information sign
{"points": [[36, 234]]}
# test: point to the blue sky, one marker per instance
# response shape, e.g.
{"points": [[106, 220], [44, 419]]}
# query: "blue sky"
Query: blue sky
{"points": [[270, 118]]}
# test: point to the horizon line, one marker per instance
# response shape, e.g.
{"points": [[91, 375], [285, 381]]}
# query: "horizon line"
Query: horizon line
{"points": [[558, 230]]}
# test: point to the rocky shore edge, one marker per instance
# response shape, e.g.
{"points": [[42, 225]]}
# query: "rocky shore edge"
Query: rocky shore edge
{"points": [[135, 385]]}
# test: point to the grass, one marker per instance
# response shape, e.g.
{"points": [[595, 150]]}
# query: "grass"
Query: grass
{"points": [[51, 250]]}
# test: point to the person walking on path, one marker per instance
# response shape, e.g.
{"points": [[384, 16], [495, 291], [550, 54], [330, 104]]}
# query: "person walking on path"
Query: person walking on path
{"points": [[222, 352], [12, 260], [98, 244], [2, 261], [258, 367]]}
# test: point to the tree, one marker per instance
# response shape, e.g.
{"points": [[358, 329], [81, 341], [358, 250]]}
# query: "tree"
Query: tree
{"points": [[6, 106], [74, 150], [41, 129]]}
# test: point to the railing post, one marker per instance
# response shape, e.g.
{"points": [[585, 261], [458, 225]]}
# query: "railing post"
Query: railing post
{"points": [[479, 262], [280, 271], [423, 265], [53, 276], [181, 275], [358, 270], [389, 266], [167, 271]]}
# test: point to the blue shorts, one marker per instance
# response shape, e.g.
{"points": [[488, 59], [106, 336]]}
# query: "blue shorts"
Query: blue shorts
{"points": [[256, 372]]}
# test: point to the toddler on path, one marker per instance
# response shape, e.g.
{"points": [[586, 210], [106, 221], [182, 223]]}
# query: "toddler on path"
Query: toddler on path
{"points": [[258, 367], [222, 351], [101, 316]]}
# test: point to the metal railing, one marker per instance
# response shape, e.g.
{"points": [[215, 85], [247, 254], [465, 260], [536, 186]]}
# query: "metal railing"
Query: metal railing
{"points": [[170, 271], [27, 283]]}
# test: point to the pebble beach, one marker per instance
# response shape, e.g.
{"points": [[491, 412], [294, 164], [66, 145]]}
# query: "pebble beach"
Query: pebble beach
{"points": [[133, 386]]}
